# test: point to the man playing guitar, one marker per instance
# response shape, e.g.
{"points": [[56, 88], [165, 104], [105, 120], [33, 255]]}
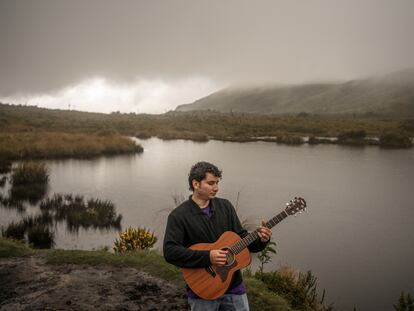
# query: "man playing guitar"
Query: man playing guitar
{"points": [[203, 218]]}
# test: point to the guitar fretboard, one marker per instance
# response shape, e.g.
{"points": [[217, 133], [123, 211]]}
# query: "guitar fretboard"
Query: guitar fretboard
{"points": [[253, 236]]}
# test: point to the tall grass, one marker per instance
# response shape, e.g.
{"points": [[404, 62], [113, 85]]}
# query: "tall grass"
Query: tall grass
{"points": [[29, 181], [28, 173], [37, 228], [38, 132], [42, 145], [299, 289]]}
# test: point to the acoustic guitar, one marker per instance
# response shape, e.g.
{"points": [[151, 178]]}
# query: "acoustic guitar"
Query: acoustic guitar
{"points": [[212, 282]]}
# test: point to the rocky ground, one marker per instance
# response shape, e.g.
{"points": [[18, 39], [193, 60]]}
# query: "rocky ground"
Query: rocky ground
{"points": [[30, 284]]}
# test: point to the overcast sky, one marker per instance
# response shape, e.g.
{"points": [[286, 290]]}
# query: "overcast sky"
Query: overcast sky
{"points": [[149, 56]]}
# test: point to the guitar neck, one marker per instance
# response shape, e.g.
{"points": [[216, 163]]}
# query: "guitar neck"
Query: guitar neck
{"points": [[252, 236]]}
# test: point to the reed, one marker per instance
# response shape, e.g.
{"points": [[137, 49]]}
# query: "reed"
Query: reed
{"points": [[42, 145], [29, 173]]}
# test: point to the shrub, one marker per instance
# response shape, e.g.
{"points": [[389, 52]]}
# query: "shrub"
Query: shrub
{"points": [[394, 140], [265, 256], [405, 303], [40, 236], [14, 231], [133, 239], [143, 135], [300, 289], [290, 140], [354, 137]]}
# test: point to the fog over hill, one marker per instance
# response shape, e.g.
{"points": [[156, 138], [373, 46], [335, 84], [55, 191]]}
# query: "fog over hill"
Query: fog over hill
{"points": [[392, 94]]}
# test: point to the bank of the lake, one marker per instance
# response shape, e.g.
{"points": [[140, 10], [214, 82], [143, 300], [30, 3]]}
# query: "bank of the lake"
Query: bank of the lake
{"points": [[202, 126], [53, 145], [81, 280]]}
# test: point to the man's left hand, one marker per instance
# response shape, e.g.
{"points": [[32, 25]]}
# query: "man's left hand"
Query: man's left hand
{"points": [[264, 233]]}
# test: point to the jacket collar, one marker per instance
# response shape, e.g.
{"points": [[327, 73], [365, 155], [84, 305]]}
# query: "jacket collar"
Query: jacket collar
{"points": [[195, 209]]}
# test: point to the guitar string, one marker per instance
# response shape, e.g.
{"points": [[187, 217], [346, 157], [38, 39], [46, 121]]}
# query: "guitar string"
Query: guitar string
{"points": [[251, 237]]}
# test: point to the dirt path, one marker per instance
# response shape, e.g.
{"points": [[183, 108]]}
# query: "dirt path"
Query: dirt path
{"points": [[30, 284]]}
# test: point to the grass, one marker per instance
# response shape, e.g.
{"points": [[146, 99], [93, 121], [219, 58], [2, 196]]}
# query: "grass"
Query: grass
{"points": [[42, 144], [10, 248], [43, 133], [260, 298], [29, 181], [28, 173]]}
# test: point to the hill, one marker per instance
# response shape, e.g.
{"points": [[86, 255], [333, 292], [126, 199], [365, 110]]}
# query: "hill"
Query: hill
{"points": [[391, 95]]}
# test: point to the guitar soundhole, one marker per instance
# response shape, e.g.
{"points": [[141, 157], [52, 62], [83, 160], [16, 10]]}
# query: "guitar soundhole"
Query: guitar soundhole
{"points": [[230, 256]]}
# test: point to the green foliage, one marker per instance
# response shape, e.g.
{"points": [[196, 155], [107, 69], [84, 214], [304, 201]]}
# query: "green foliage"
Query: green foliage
{"points": [[265, 256], [10, 248], [32, 132], [133, 239], [299, 289], [261, 299], [405, 303], [394, 139]]}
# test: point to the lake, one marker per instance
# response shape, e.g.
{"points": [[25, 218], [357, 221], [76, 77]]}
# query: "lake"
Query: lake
{"points": [[356, 236]]}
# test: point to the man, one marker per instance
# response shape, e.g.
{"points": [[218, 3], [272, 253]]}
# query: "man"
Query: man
{"points": [[202, 219]]}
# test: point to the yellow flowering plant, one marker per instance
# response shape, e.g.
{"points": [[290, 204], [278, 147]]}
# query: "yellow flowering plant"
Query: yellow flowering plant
{"points": [[133, 239]]}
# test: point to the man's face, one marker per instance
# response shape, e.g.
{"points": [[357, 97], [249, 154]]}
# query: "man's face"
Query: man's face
{"points": [[207, 188]]}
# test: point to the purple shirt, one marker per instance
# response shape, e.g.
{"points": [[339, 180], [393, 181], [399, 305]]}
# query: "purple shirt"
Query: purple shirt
{"points": [[238, 290]]}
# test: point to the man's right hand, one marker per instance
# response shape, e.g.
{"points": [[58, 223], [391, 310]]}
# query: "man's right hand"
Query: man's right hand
{"points": [[218, 257]]}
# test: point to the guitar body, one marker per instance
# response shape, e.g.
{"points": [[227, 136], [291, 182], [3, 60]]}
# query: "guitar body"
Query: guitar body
{"points": [[212, 282]]}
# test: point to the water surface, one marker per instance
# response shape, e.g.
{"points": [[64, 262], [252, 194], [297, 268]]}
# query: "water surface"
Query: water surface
{"points": [[356, 237]]}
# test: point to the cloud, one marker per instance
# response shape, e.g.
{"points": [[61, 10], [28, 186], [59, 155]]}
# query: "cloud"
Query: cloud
{"points": [[99, 94]]}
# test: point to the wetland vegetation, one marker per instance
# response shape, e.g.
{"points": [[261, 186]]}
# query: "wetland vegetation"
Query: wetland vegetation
{"points": [[44, 133]]}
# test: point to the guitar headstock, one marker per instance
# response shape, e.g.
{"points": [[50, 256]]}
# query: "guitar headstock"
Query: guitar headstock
{"points": [[296, 205]]}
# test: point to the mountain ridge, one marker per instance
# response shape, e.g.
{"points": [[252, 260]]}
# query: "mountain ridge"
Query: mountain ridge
{"points": [[391, 94]]}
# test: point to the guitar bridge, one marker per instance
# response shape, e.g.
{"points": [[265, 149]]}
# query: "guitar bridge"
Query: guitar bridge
{"points": [[210, 270]]}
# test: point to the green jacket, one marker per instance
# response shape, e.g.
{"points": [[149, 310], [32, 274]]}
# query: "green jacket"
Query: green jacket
{"points": [[188, 225]]}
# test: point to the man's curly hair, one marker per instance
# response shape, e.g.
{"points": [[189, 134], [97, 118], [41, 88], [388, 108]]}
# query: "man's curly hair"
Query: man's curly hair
{"points": [[199, 170]]}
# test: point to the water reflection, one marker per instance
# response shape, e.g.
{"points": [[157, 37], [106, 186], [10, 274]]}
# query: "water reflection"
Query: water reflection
{"points": [[75, 211], [78, 212], [27, 186]]}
